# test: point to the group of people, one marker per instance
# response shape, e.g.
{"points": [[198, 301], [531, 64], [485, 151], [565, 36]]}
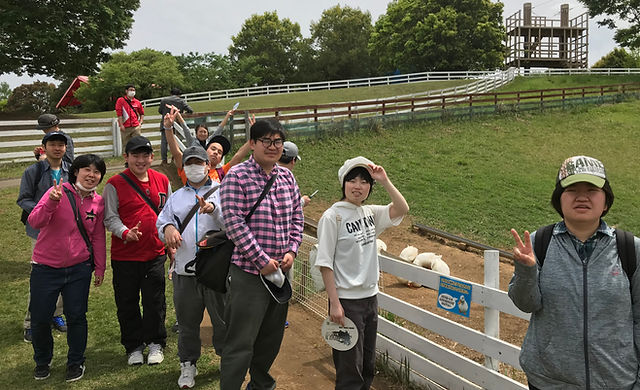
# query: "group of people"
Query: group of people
{"points": [[584, 302]]}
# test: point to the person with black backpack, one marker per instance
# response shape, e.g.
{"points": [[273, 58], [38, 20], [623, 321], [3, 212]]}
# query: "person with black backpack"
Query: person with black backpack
{"points": [[36, 180], [577, 279]]}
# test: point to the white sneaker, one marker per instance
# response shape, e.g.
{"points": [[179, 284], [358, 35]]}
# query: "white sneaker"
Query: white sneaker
{"points": [[188, 373], [156, 355], [136, 357]]}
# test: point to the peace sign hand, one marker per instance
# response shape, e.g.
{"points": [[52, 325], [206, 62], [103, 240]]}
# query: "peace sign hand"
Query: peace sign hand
{"points": [[205, 207], [134, 234], [56, 191], [170, 117], [523, 253]]}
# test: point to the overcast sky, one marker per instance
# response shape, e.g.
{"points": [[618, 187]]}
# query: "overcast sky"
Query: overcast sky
{"points": [[206, 26]]}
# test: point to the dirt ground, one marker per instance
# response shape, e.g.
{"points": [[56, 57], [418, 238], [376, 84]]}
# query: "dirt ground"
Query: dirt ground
{"points": [[305, 360]]}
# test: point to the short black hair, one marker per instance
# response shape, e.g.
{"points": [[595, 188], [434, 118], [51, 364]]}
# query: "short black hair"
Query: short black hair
{"points": [[176, 91], [126, 87], [557, 193], [285, 159], [86, 160], [363, 173], [264, 127]]}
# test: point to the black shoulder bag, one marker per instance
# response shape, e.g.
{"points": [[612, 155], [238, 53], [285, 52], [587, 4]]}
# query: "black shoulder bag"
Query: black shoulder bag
{"points": [[83, 231], [140, 192], [215, 249]]}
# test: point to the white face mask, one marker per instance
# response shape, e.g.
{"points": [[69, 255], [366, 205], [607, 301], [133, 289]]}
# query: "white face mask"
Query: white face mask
{"points": [[195, 173], [81, 187], [131, 93]]}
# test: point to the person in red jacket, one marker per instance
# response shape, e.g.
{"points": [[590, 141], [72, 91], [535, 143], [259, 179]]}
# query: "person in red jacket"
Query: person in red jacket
{"points": [[130, 114], [133, 200]]}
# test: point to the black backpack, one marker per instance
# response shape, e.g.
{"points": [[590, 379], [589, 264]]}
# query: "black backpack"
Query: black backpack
{"points": [[624, 241]]}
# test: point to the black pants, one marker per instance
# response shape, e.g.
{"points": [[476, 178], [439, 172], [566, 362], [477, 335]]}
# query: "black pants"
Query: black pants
{"points": [[356, 367], [131, 279]]}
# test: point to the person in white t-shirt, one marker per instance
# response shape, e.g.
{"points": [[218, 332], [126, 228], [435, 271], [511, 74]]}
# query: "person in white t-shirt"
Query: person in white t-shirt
{"points": [[348, 261]]}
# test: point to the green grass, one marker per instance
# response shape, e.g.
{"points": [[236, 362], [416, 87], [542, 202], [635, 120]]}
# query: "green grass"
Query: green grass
{"points": [[305, 98], [549, 82], [480, 178]]}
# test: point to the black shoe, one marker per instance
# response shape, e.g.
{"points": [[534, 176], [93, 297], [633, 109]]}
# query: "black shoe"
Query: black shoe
{"points": [[75, 372], [27, 336], [41, 372]]}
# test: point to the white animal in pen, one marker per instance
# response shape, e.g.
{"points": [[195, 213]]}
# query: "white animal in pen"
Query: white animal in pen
{"points": [[409, 254], [433, 262]]}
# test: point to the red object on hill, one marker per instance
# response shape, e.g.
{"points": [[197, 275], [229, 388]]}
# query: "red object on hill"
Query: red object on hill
{"points": [[68, 99]]}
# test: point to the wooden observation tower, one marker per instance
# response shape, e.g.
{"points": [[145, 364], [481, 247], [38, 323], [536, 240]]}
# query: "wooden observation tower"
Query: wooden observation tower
{"points": [[538, 41]]}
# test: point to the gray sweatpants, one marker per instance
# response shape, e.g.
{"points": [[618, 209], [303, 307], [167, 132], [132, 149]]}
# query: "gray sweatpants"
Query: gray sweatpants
{"points": [[190, 299]]}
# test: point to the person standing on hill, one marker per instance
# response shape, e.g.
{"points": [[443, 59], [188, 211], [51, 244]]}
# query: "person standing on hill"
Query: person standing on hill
{"points": [[133, 200], [130, 115], [584, 331], [165, 107]]}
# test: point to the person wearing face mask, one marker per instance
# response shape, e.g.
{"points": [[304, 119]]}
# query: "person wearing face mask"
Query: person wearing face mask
{"points": [[130, 114], [217, 146], [190, 297], [62, 261]]}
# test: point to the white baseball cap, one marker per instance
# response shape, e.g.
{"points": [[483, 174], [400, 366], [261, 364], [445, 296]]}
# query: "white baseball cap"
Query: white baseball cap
{"points": [[350, 164]]}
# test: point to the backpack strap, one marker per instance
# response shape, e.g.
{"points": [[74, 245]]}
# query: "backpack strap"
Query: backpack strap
{"points": [[626, 252], [543, 237]]}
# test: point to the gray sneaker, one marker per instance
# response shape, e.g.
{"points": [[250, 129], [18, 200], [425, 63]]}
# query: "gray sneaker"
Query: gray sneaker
{"points": [[136, 357], [156, 356]]}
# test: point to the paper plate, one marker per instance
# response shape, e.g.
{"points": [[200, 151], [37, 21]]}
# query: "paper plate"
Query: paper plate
{"points": [[342, 338], [236, 105]]}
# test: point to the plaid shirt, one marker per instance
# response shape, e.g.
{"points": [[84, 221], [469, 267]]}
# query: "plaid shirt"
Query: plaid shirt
{"points": [[585, 249], [275, 228]]}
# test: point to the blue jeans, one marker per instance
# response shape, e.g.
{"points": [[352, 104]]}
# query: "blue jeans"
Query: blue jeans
{"points": [[46, 283]]}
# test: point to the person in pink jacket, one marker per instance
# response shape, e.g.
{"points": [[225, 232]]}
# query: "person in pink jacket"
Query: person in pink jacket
{"points": [[62, 262]]}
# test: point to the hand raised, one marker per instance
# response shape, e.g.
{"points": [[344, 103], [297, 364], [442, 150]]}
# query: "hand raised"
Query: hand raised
{"points": [[56, 191], [205, 207], [523, 252], [252, 119], [377, 173], [134, 234]]}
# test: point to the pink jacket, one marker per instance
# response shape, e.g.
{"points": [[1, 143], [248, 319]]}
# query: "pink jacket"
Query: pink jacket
{"points": [[60, 243]]}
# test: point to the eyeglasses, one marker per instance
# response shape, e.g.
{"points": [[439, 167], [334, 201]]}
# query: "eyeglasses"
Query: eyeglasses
{"points": [[267, 142]]}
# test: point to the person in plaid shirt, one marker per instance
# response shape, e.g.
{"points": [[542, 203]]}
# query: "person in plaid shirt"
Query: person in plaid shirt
{"points": [[268, 241]]}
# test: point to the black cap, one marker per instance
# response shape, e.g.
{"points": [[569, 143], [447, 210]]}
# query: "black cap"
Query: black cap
{"points": [[46, 121], [138, 142], [223, 141], [54, 136]]}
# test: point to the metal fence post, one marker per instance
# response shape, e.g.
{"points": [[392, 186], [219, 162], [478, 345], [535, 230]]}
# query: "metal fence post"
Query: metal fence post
{"points": [[491, 316]]}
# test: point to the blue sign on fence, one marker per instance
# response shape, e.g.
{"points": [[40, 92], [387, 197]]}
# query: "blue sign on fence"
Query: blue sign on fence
{"points": [[454, 296]]}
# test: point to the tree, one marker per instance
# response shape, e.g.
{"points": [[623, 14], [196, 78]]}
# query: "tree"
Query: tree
{"points": [[152, 72], [628, 11], [32, 98], [62, 38], [617, 58], [274, 45], [5, 90], [428, 35], [205, 72], [340, 39]]}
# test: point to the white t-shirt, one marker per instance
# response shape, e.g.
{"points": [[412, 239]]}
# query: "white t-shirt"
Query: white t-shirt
{"points": [[347, 244]]}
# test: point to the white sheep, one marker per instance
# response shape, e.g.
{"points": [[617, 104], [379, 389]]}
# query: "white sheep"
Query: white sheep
{"points": [[408, 254], [433, 262], [380, 245]]}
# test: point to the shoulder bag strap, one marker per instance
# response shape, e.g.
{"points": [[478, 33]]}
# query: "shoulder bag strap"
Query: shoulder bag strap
{"points": [[133, 108], [195, 208], [264, 193], [140, 192], [76, 214]]}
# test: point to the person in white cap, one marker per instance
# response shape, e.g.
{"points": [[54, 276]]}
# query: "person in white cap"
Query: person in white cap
{"points": [[348, 260], [582, 290], [290, 156]]}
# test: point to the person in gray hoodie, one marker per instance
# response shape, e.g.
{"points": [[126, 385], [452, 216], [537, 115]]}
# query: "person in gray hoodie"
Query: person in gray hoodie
{"points": [[584, 331]]}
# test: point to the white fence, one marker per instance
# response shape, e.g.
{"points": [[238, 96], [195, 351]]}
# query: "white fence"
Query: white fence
{"points": [[427, 362], [324, 85], [384, 80]]}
